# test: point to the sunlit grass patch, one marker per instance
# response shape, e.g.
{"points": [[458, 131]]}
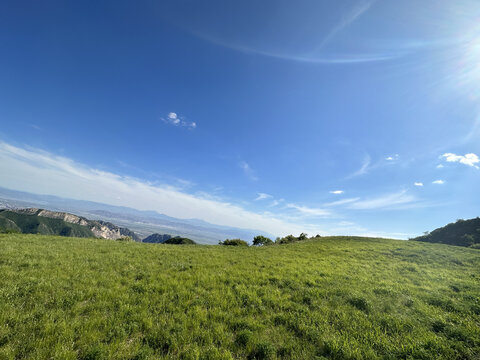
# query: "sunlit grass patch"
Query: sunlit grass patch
{"points": [[339, 297]]}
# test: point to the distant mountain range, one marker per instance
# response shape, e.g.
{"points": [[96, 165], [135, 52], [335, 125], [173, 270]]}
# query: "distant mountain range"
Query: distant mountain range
{"points": [[46, 222], [460, 233], [143, 223]]}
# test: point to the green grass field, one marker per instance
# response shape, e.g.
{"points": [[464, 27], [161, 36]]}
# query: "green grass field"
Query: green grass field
{"points": [[339, 298]]}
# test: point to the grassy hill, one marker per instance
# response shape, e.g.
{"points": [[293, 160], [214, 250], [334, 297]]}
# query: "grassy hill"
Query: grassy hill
{"points": [[460, 233], [334, 298], [33, 224]]}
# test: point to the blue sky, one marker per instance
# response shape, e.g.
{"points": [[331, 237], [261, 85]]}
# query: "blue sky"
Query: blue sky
{"points": [[332, 117]]}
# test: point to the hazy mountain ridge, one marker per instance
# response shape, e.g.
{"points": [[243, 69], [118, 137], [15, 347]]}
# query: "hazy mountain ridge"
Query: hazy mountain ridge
{"points": [[142, 222], [30, 220]]}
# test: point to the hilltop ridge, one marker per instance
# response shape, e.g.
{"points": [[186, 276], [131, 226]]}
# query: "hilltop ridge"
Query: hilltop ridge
{"points": [[460, 233]]}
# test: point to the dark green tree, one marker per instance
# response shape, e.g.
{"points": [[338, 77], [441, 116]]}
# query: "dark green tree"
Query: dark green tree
{"points": [[287, 239], [260, 240], [302, 236], [233, 242]]}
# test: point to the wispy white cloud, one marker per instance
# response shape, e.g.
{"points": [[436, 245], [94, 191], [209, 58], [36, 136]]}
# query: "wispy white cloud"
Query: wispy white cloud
{"points": [[467, 159], [438, 182], [248, 171], [277, 202], [36, 171], [417, 183], [262, 196], [342, 202], [440, 166], [346, 58], [348, 18], [385, 201], [364, 168], [173, 119], [337, 192], [308, 211]]}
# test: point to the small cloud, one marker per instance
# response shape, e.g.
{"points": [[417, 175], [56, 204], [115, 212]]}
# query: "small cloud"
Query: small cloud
{"points": [[392, 157], [173, 119], [262, 196], [467, 159], [440, 166], [337, 192], [439, 182], [418, 183], [249, 172]]}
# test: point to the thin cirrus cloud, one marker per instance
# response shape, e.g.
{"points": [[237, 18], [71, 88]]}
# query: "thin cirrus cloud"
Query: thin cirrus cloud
{"points": [[365, 168], [367, 165], [418, 183], [348, 18], [386, 201], [248, 171], [262, 196], [309, 211], [342, 202], [319, 53], [352, 58], [467, 159], [337, 192], [438, 182], [176, 120], [276, 202], [61, 176]]}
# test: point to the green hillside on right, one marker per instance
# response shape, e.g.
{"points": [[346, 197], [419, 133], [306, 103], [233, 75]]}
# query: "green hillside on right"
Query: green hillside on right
{"points": [[460, 233]]}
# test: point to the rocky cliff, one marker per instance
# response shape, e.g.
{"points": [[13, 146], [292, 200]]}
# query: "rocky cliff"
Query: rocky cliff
{"points": [[99, 228]]}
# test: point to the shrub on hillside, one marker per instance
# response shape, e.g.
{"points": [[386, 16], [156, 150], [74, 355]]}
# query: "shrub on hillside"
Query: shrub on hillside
{"points": [[177, 240], [286, 240], [233, 242], [124, 239], [262, 240], [302, 237], [290, 239], [9, 231]]}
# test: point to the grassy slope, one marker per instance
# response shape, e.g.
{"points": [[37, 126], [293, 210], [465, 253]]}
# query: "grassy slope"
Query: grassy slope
{"points": [[33, 224], [338, 298], [461, 233]]}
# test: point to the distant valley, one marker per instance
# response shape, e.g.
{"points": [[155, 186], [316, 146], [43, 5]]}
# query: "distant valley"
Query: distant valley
{"points": [[142, 223]]}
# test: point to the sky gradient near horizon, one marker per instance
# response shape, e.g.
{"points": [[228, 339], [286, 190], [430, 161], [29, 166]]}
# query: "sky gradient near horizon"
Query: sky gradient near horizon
{"points": [[356, 117]]}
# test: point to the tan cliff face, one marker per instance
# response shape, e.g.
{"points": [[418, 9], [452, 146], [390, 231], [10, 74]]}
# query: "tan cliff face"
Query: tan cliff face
{"points": [[70, 218], [99, 228], [105, 232]]}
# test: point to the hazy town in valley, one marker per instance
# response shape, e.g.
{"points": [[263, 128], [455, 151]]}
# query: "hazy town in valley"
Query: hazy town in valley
{"points": [[228, 180]]}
